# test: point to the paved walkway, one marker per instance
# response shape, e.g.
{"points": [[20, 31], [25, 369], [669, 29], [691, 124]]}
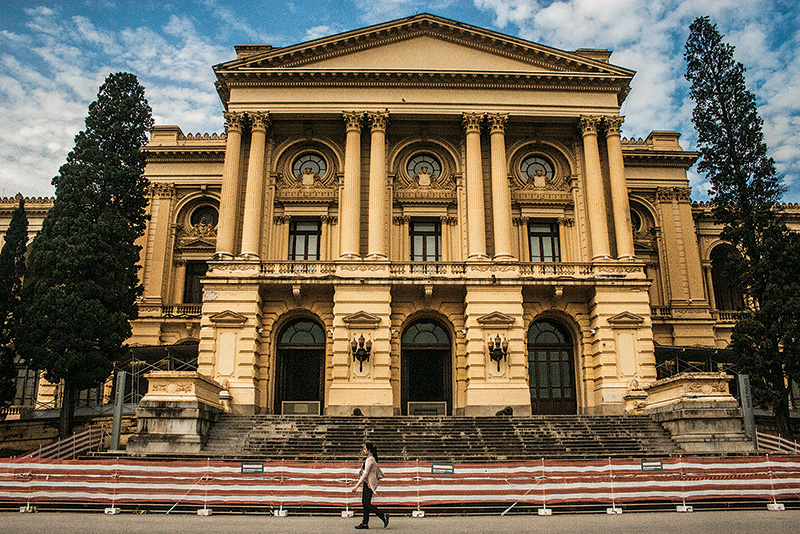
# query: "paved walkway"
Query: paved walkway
{"points": [[739, 522]]}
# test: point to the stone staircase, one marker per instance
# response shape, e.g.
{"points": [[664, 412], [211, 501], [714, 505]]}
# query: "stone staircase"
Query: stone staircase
{"points": [[461, 439]]}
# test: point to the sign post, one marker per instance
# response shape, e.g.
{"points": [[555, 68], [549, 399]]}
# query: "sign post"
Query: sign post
{"points": [[746, 401], [119, 402]]}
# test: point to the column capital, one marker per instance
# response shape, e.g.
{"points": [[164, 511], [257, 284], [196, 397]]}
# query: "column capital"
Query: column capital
{"points": [[613, 124], [472, 122], [234, 122], [378, 120], [352, 120], [497, 122], [588, 125], [259, 121]]}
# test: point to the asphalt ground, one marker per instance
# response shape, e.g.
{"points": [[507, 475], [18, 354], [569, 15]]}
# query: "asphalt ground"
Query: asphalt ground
{"points": [[706, 522]]}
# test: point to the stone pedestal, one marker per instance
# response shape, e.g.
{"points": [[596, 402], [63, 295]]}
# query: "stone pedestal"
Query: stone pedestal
{"points": [[699, 412], [176, 414]]}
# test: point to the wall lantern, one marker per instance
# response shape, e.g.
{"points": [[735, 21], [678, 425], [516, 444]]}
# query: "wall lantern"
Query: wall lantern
{"points": [[498, 350], [361, 350]]}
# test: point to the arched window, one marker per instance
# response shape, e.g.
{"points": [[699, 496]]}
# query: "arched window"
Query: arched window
{"points": [[723, 261]]}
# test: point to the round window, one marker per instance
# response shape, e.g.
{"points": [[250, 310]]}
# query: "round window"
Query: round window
{"points": [[205, 215], [309, 166], [533, 166], [424, 168]]}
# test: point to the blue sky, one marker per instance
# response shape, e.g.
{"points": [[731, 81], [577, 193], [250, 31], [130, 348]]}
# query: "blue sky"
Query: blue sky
{"points": [[55, 54]]}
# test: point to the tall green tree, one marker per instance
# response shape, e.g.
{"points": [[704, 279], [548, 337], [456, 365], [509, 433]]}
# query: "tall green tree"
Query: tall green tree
{"points": [[746, 192], [12, 270], [80, 296]]}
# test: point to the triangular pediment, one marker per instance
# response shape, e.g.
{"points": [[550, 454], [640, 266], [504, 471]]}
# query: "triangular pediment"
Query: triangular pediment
{"points": [[626, 319], [228, 317], [496, 318], [361, 319], [421, 43]]}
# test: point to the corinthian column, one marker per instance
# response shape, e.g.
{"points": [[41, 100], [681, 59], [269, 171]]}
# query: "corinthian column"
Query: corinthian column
{"points": [[476, 225], [594, 189], [254, 194], [377, 222], [230, 186], [350, 203], [501, 196], [619, 189]]}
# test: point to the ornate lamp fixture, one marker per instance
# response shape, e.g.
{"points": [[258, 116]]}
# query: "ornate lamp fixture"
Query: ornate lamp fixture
{"points": [[361, 351], [498, 350]]}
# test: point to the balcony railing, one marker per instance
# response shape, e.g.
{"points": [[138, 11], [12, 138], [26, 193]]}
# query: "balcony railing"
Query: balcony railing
{"points": [[320, 268], [438, 268], [729, 316], [661, 312], [182, 310]]}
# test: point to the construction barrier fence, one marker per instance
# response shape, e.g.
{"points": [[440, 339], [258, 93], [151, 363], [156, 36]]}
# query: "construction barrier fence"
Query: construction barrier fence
{"points": [[411, 485]]}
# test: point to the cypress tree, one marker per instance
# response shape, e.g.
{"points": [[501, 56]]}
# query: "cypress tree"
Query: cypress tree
{"points": [[12, 271], [80, 295], [746, 192]]}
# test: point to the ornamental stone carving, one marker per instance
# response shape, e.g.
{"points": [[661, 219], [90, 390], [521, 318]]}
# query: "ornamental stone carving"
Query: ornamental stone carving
{"points": [[588, 125], [234, 122], [259, 121], [613, 124]]}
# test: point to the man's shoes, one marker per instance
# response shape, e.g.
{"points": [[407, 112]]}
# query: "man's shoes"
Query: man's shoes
{"points": [[385, 520], [362, 526]]}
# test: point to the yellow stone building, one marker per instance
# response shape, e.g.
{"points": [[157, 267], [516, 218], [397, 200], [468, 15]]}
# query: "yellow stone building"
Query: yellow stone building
{"points": [[424, 216]]}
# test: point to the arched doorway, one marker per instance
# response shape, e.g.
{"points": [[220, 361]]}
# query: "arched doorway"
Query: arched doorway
{"points": [[551, 376], [300, 364], [425, 368]]}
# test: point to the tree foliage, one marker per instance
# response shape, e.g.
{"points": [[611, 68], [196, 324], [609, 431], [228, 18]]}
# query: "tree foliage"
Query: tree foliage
{"points": [[12, 271], [81, 291], [746, 192]]}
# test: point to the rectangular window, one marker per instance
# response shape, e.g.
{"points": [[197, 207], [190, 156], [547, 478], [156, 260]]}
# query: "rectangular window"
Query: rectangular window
{"points": [[543, 239], [426, 240], [192, 291], [304, 239]]}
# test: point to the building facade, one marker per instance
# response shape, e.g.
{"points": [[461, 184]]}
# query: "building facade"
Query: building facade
{"points": [[424, 217]]}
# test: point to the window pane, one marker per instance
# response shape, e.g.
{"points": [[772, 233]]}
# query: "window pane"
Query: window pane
{"points": [[547, 254]]}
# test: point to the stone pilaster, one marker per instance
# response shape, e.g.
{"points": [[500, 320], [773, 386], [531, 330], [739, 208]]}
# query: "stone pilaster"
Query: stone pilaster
{"points": [[378, 222], [254, 194], [228, 206], [619, 189], [501, 195], [595, 193], [350, 203], [476, 219]]}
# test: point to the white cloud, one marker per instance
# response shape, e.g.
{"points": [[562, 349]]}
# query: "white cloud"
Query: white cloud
{"points": [[323, 30], [45, 90], [373, 12]]}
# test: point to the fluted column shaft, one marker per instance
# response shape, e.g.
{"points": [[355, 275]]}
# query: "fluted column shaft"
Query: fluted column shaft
{"points": [[501, 196], [254, 193], [378, 223], [476, 220], [350, 203], [619, 189], [226, 230], [594, 189]]}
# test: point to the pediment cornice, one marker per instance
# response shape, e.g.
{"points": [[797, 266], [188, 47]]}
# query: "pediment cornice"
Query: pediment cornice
{"points": [[550, 67]]}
